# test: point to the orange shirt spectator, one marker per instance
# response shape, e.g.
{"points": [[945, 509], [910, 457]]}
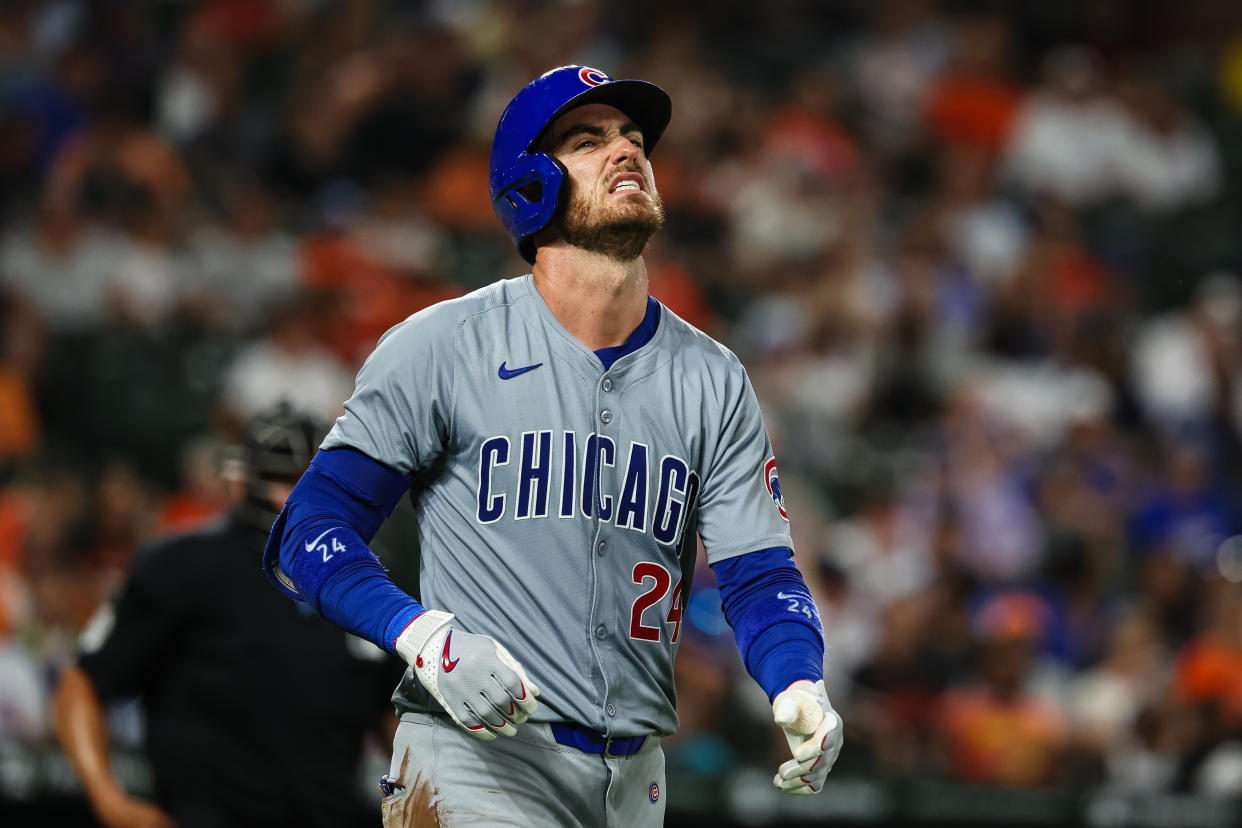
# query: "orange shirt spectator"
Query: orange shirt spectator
{"points": [[370, 296], [19, 424], [673, 285], [974, 103], [1210, 671], [995, 731], [1209, 668], [972, 111], [1009, 741], [456, 192]]}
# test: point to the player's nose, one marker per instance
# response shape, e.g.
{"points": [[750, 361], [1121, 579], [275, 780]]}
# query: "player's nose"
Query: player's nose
{"points": [[623, 150]]}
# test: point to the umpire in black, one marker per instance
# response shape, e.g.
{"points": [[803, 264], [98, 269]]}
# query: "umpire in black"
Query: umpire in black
{"points": [[256, 711]]}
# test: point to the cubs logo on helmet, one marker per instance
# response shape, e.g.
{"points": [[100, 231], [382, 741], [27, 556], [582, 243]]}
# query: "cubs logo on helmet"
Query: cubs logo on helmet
{"points": [[592, 77], [773, 484]]}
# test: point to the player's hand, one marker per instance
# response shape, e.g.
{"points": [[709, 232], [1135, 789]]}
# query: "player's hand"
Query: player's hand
{"points": [[473, 677], [814, 732], [123, 811]]}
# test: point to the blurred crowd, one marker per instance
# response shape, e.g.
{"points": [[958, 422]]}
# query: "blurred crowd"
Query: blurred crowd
{"points": [[980, 258]]}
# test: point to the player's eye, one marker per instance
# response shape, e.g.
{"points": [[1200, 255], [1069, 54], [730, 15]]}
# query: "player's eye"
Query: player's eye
{"points": [[584, 143], [637, 140]]}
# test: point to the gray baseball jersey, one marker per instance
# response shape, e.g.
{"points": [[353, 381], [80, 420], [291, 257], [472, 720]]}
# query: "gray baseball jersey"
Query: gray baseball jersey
{"points": [[558, 502]]}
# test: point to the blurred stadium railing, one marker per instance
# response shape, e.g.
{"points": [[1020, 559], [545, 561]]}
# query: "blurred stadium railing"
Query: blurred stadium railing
{"points": [[38, 788]]}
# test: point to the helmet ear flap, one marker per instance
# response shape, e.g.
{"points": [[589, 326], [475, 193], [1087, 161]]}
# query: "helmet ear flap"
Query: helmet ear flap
{"points": [[530, 198]]}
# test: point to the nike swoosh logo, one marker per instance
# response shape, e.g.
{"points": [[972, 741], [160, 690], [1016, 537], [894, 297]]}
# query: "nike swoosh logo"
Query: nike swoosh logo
{"points": [[310, 546], [510, 373], [444, 659], [787, 597]]}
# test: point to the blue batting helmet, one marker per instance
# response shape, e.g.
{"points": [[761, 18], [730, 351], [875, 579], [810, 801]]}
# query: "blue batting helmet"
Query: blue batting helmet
{"points": [[525, 183]]}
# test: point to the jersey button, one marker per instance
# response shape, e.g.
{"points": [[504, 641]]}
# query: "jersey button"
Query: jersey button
{"points": [[607, 386], [605, 416], [611, 710], [601, 632], [601, 549]]}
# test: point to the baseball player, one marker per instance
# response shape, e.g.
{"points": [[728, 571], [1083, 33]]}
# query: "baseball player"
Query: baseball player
{"points": [[565, 440]]}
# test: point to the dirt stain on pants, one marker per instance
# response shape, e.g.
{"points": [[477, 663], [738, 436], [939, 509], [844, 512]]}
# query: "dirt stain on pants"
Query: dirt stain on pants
{"points": [[419, 807]]}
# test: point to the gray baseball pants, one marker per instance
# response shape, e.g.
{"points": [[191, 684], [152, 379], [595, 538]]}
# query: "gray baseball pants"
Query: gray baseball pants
{"points": [[447, 778]]}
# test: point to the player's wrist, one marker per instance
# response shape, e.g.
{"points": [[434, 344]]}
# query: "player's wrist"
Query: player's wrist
{"points": [[805, 684], [413, 639], [399, 621]]}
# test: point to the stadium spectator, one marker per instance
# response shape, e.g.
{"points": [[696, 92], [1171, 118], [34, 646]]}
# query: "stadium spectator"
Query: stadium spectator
{"points": [[1068, 136], [61, 265], [1106, 703], [290, 364], [244, 267], [972, 104], [1169, 161], [1185, 362], [996, 730]]}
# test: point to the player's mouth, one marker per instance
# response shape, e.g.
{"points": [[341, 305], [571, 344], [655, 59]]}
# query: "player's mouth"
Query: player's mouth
{"points": [[627, 183]]}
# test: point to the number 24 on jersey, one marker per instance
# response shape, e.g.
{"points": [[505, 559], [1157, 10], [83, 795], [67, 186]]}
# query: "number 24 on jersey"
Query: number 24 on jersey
{"points": [[661, 580]]}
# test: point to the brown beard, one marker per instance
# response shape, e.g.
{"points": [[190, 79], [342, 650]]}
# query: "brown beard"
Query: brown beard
{"points": [[621, 234]]}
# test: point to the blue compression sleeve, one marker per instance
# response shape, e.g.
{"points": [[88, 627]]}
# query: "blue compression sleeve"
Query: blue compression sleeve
{"points": [[361, 598], [773, 616], [318, 549]]}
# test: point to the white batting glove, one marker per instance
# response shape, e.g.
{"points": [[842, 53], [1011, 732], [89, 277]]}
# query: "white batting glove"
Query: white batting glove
{"points": [[814, 732], [472, 676]]}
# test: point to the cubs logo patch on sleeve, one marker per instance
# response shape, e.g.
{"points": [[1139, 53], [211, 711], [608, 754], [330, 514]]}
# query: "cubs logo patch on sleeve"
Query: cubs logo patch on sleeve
{"points": [[773, 483]]}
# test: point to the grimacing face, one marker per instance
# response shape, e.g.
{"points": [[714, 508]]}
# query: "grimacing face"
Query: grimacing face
{"points": [[613, 206]]}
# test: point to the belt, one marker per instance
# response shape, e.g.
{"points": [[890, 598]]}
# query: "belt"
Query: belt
{"points": [[592, 741]]}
